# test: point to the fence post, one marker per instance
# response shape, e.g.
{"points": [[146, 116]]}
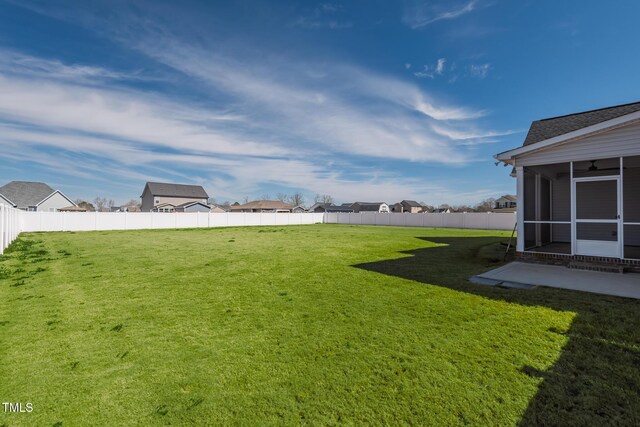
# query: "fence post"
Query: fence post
{"points": [[1, 229]]}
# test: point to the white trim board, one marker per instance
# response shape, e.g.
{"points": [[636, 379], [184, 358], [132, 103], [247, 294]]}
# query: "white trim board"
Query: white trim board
{"points": [[8, 201], [52, 194], [508, 156]]}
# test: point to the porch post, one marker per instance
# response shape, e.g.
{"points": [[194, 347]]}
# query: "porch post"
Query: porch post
{"points": [[621, 213], [520, 208], [538, 198]]}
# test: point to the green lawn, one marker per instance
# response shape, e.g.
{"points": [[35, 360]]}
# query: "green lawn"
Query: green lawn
{"points": [[322, 324]]}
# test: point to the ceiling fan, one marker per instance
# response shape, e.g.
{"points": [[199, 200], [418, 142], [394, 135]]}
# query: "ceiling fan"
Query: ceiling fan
{"points": [[594, 168]]}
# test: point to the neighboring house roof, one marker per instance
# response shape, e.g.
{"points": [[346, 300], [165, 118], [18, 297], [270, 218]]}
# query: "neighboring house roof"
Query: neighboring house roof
{"points": [[369, 206], [541, 130], [189, 204], [442, 210], [328, 207], [343, 209], [507, 198], [164, 205], [411, 203], [319, 205], [263, 204], [26, 193], [177, 190]]}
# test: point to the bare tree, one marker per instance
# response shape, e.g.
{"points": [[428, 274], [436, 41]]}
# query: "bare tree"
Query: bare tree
{"points": [[266, 196], [426, 207], [133, 202], [85, 205], [462, 208], [486, 205], [110, 203], [296, 199], [323, 198], [245, 200], [100, 203], [282, 197]]}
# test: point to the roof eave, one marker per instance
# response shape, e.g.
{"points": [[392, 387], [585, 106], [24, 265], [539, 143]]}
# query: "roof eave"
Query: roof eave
{"points": [[12, 204], [51, 195], [509, 156]]}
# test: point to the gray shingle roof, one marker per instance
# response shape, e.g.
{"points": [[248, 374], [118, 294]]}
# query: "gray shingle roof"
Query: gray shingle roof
{"points": [[508, 197], [541, 130], [25, 193], [177, 190], [368, 206], [187, 204], [343, 209], [412, 203]]}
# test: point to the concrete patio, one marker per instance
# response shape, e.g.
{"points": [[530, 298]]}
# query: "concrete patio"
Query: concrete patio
{"points": [[527, 275]]}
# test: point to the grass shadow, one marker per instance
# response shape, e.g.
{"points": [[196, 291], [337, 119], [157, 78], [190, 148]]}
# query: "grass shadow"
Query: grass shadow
{"points": [[596, 379]]}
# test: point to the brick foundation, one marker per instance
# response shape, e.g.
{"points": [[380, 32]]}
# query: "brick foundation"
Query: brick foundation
{"points": [[629, 265]]}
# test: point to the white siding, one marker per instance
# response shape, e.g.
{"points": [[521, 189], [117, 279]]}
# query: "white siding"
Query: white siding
{"points": [[57, 201], [620, 142]]}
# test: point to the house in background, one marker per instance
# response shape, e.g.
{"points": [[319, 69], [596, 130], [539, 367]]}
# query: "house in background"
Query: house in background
{"points": [[34, 196], [298, 209], [370, 207], [263, 206], [193, 207], [442, 210], [578, 181], [329, 207], [125, 208], [508, 201], [219, 208], [407, 206], [165, 197]]}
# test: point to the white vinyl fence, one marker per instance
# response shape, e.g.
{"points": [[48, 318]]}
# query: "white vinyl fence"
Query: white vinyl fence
{"points": [[14, 221], [485, 221], [90, 221], [10, 225]]}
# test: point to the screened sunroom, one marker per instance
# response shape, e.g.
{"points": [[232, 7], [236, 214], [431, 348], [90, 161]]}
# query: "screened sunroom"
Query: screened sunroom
{"points": [[589, 208], [578, 185]]}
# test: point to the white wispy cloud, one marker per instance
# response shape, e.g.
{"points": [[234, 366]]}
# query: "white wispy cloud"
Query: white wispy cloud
{"points": [[16, 63], [469, 135], [312, 23], [420, 14], [326, 15], [479, 70], [431, 71]]}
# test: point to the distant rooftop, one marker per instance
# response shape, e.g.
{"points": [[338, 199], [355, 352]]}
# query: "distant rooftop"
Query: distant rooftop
{"points": [[177, 190], [26, 193]]}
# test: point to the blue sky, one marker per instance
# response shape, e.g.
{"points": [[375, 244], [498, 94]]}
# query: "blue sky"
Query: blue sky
{"points": [[363, 100]]}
